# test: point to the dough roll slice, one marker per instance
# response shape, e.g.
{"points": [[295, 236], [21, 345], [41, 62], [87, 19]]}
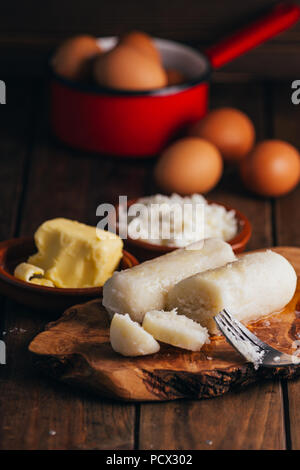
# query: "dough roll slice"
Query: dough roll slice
{"points": [[129, 338], [145, 287], [251, 287], [174, 329], [27, 271]]}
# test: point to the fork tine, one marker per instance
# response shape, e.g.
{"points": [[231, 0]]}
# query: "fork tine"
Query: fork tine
{"points": [[234, 338], [234, 327], [249, 346], [228, 329], [239, 340], [251, 336]]}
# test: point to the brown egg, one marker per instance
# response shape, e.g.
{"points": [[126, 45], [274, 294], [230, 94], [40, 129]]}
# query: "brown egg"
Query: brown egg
{"points": [[143, 43], [230, 130], [72, 58], [272, 168], [174, 77], [190, 165], [125, 68]]}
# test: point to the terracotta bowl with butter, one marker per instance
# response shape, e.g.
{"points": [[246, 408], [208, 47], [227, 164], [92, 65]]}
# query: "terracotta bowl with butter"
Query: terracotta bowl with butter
{"points": [[145, 250], [17, 250]]}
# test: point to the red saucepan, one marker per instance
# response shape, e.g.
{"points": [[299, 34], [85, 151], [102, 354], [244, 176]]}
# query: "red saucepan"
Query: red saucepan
{"points": [[140, 124]]}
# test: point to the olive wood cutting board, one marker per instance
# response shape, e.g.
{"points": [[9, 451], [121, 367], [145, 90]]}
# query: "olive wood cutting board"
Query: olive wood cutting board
{"points": [[76, 349]]}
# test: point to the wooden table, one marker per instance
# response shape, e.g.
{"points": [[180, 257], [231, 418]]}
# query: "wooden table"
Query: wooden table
{"points": [[41, 179]]}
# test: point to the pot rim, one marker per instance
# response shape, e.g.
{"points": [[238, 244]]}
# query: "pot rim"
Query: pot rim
{"points": [[94, 89]]}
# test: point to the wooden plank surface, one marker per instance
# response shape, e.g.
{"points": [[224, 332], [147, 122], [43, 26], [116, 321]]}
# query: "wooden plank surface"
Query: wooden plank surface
{"points": [[59, 183], [221, 421], [15, 142], [249, 419], [44, 180]]}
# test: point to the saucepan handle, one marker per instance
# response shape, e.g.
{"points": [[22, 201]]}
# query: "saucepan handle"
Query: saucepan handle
{"points": [[279, 18]]}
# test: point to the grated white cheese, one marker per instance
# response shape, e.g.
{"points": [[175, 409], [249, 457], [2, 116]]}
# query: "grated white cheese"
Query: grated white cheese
{"points": [[178, 221]]}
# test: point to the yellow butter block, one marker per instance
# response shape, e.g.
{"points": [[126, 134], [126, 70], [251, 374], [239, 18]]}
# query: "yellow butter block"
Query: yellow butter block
{"points": [[73, 254]]}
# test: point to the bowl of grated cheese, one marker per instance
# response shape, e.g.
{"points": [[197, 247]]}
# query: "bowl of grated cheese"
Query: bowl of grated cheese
{"points": [[155, 225]]}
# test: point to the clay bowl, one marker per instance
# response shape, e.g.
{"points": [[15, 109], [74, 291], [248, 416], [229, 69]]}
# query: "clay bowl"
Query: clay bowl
{"points": [[16, 250], [144, 250]]}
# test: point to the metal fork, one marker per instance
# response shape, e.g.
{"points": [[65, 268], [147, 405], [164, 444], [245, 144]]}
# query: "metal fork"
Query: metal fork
{"points": [[250, 346]]}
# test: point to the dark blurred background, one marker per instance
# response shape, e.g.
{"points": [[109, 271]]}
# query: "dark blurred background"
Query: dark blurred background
{"points": [[29, 30]]}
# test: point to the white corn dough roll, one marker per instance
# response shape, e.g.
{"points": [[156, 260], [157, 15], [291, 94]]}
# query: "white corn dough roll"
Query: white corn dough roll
{"points": [[129, 338], [174, 329], [145, 287], [251, 287]]}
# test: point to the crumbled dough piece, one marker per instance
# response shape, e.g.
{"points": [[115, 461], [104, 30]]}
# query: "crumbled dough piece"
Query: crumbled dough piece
{"points": [[129, 338], [174, 329]]}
